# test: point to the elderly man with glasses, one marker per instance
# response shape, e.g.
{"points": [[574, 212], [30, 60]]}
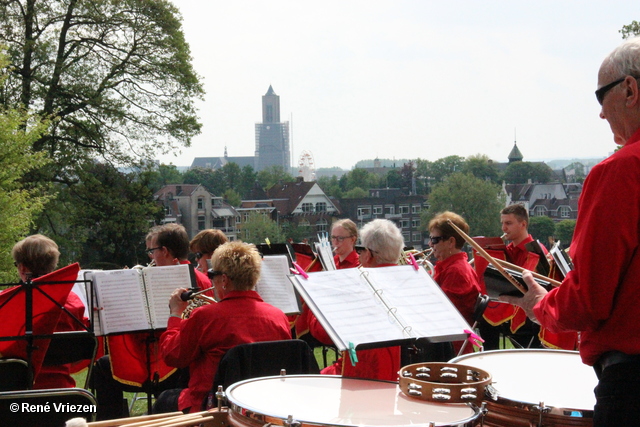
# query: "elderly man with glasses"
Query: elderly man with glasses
{"points": [[599, 298]]}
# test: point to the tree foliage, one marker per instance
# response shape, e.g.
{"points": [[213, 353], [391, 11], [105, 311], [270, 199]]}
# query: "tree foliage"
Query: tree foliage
{"points": [[259, 227], [630, 30], [542, 228], [272, 175], [115, 74], [479, 202], [522, 172], [564, 231], [482, 167]]}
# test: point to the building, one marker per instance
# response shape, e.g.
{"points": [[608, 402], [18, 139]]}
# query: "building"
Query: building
{"points": [[272, 144], [297, 203], [272, 136], [392, 204], [196, 209], [556, 200]]}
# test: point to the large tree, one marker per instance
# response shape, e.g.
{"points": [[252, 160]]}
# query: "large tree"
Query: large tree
{"points": [[477, 200], [114, 75], [542, 228]]}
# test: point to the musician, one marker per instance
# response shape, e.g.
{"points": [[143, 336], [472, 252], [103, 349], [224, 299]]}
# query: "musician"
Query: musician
{"points": [[601, 296], [382, 245], [166, 245], [453, 274], [240, 317], [36, 256], [204, 244], [515, 222], [344, 234]]}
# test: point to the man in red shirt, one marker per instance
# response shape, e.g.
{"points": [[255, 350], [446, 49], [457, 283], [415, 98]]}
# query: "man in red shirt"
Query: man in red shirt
{"points": [[600, 297]]}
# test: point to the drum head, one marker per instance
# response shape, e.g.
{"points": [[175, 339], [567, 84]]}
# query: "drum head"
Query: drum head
{"points": [[336, 401], [556, 377]]}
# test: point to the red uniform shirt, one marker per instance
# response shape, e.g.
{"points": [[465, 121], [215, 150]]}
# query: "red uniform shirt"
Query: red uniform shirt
{"points": [[351, 261], [459, 282], [601, 296], [200, 342]]}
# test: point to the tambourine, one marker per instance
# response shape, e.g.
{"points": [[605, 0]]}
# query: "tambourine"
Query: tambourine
{"points": [[444, 382]]}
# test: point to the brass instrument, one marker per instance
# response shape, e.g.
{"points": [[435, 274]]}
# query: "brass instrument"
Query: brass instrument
{"points": [[421, 257], [196, 300]]}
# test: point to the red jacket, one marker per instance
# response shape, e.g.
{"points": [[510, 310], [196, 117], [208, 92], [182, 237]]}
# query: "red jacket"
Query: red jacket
{"points": [[200, 341], [601, 296]]}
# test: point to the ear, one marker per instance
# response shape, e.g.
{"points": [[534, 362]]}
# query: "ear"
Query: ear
{"points": [[633, 92]]}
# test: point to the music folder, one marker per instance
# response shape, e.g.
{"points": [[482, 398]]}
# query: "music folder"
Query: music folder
{"points": [[364, 308], [274, 287], [136, 299]]}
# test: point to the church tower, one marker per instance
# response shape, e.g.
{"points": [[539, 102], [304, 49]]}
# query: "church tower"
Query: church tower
{"points": [[272, 136]]}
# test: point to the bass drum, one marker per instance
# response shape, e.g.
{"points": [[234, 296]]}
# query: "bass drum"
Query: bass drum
{"points": [[326, 400], [536, 387]]}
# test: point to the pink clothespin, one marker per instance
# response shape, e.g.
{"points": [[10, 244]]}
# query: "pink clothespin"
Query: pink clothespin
{"points": [[473, 338], [412, 261], [299, 270]]}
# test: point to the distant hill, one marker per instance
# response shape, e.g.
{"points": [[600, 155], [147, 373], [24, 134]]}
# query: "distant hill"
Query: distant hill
{"points": [[562, 163]]}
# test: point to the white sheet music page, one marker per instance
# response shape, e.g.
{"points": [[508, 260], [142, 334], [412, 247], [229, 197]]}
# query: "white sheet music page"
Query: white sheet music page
{"points": [[420, 302], [274, 287], [354, 311], [121, 302], [160, 282]]}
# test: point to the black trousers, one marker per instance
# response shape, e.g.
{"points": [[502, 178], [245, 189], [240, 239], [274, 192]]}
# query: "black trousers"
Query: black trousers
{"points": [[618, 396]]}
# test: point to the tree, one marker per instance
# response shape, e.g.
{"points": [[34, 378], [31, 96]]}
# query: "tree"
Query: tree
{"points": [[20, 205], [259, 227], [630, 30], [212, 180], [478, 201], [542, 228], [164, 175], [355, 193], [482, 167], [247, 181], [115, 74], [330, 186], [272, 175], [564, 231], [114, 209], [522, 172], [232, 197], [442, 168], [361, 178]]}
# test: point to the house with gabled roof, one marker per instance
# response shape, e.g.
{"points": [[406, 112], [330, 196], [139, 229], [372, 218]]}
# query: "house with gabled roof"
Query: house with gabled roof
{"points": [[196, 209]]}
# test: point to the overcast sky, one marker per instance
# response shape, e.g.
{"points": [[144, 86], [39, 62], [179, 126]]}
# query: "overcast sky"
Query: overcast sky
{"points": [[404, 79]]}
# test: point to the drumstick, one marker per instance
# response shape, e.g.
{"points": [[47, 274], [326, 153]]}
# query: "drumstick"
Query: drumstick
{"points": [[129, 421], [519, 269], [488, 257]]}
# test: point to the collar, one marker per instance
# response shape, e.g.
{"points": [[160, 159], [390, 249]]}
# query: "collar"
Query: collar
{"points": [[241, 294], [451, 260]]}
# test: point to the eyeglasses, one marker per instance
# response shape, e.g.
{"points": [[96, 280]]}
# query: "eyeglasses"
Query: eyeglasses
{"points": [[199, 255], [213, 273], [361, 249], [600, 93], [437, 239], [340, 238], [150, 250]]}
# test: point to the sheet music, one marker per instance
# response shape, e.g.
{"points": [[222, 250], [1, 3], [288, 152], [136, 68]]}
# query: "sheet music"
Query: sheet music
{"points": [[160, 283], [325, 253], [354, 311], [122, 304], [274, 287]]}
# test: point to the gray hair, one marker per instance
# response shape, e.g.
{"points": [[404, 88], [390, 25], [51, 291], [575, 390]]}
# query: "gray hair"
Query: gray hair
{"points": [[624, 60], [384, 238]]}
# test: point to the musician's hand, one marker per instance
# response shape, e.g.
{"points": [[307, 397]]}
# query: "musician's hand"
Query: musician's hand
{"points": [[176, 305], [529, 300]]}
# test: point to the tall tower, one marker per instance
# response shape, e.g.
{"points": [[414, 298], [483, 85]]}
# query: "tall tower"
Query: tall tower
{"points": [[272, 136]]}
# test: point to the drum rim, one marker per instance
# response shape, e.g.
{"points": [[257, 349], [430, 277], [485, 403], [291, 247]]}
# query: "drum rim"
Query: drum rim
{"points": [[510, 402], [236, 408]]}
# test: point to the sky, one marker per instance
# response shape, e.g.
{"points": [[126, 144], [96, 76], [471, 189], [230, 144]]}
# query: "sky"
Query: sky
{"points": [[404, 79]]}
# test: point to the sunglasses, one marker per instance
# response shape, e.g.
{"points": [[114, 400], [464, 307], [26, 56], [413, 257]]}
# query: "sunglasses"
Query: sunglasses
{"points": [[600, 93], [437, 239]]}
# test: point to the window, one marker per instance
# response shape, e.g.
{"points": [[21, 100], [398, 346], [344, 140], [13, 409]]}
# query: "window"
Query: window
{"points": [[406, 236], [415, 223], [321, 207], [390, 210], [304, 223], [377, 210], [307, 207], [364, 211], [201, 203], [201, 222], [404, 223], [539, 211], [416, 209], [321, 225], [403, 209], [565, 212], [417, 236], [216, 202]]}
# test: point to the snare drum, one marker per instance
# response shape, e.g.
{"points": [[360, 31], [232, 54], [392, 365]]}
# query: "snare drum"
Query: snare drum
{"points": [[536, 387], [327, 400]]}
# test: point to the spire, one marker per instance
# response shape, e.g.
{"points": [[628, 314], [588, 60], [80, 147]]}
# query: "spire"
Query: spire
{"points": [[515, 155], [270, 92], [225, 151]]}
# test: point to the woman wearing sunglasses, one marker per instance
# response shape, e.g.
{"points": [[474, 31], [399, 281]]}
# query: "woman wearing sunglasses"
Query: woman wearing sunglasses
{"points": [[457, 279]]}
